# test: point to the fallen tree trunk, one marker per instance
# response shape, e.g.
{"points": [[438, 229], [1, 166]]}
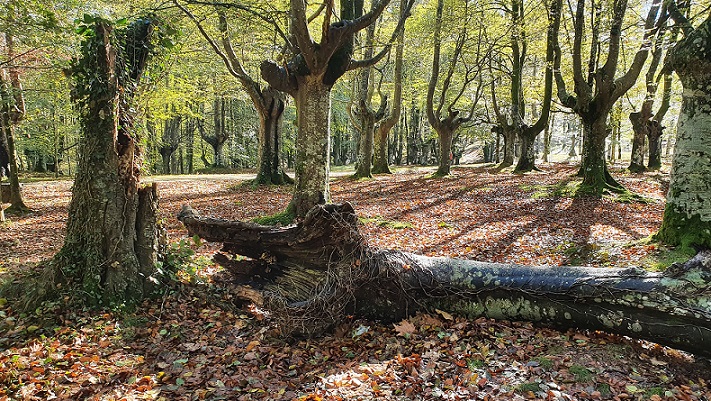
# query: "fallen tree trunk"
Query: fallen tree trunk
{"points": [[314, 273]]}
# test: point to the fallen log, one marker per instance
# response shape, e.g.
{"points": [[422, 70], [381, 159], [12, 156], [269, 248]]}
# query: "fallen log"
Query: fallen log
{"points": [[312, 274]]}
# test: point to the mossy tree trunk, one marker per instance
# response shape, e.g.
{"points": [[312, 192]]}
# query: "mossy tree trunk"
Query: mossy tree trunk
{"points": [[313, 274], [687, 215], [111, 247]]}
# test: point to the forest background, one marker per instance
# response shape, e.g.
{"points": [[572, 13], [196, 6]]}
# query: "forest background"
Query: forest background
{"points": [[496, 64]]}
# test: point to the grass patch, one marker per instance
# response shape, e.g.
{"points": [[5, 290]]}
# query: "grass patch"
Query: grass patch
{"points": [[527, 387], [545, 363], [664, 257], [581, 373], [604, 389], [279, 219], [563, 189]]}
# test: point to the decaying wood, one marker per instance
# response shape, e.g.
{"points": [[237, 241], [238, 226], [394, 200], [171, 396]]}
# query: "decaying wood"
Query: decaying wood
{"points": [[315, 272]]}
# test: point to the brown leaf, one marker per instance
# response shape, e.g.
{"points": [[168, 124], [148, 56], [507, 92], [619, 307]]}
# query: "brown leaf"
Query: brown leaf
{"points": [[405, 328]]}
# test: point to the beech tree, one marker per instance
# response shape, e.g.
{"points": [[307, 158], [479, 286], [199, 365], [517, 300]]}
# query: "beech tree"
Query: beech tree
{"points": [[268, 102], [362, 113], [12, 106], [446, 121], [687, 215], [381, 162], [515, 123], [313, 274], [308, 76], [111, 246], [647, 125], [596, 93]]}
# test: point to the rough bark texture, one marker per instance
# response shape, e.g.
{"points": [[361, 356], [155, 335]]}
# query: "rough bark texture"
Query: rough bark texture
{"points": [[687, 216], [112, 238], [313, 273], [313, 102]]}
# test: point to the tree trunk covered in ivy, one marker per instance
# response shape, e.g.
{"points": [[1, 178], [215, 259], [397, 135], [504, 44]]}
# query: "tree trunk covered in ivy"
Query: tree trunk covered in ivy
{"points": [[111, 247], [687, 216], [313, 274]]}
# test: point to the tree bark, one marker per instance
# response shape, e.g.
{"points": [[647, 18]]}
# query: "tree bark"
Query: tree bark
{"points": [[381, 163], [271, 169], [12, 112], [313, 274], [687, 215], [313, 102], [112, 237], [639, 120]]}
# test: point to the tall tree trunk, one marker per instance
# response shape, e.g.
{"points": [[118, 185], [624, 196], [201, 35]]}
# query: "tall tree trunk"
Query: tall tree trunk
{"points": [[509, 148], [13, 111], [528, 153], [654, 134], [271, 170], [380, 165], [687, 215], [596, 178], [322, 269], [445, 151], [313, 104], [639, 121], [365, 145]]}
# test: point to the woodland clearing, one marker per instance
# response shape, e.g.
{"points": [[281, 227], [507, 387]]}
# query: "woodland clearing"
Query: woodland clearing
{"points": [[195, 342]]}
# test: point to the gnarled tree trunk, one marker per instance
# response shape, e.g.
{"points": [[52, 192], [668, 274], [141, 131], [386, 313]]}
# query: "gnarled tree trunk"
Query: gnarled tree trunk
{"points": [[312, 274], [111, 247]]}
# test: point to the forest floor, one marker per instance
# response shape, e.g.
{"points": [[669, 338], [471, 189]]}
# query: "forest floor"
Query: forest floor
{"points": [[195, 343]]}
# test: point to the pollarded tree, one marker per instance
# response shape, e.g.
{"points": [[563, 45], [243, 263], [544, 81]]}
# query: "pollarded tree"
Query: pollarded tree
{"points": [[519, 53], [267, 101], [363, 115], [446, 121], [687, 215], [308, 75], [380, 163], [645, 123], [111, 247], [595, 94]]}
